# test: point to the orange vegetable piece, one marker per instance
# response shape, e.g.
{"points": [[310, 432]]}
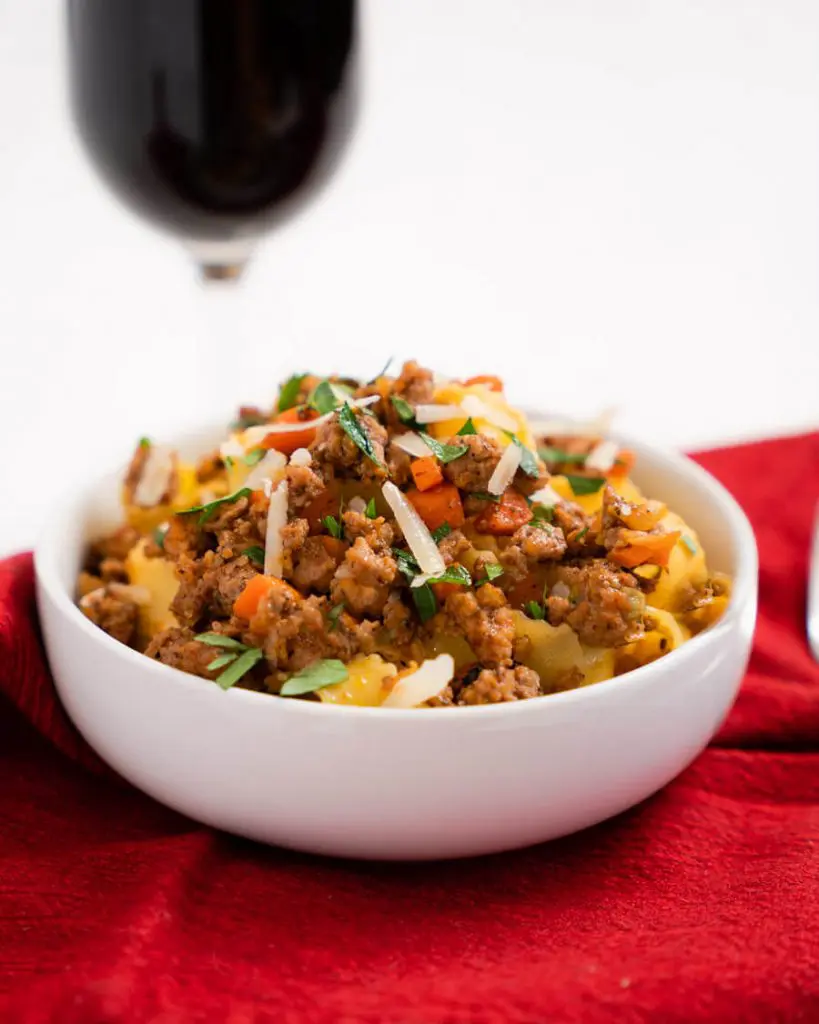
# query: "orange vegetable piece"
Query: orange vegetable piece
{"points": [[438, 505], [255, 591], [635, 548], [326, 503], [293, 439], [623, 464], [443, 590], [334, 546], [426, 473], [530, 588], [489, 379], [503, 518]]}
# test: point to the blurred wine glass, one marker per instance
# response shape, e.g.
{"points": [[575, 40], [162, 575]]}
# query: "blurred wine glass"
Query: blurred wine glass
{"points": [[214, 119]]}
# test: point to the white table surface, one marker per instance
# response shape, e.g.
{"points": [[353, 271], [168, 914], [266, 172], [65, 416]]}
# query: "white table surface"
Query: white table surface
{"points": [[607, 203]]}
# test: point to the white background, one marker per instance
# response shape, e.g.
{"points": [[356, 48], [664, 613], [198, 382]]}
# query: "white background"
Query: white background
{"points": [[605, 202]]}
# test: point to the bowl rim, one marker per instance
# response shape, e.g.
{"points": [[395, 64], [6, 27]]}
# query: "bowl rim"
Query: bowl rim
{"points": [[744, 588]]}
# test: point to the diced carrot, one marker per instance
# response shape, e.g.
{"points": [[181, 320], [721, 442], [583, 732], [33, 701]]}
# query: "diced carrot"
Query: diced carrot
{"points": [[489, 379], [635, 548], [326, 503], [255, 591], [530, 588], [623, 464], [426, 473], [439, 505], [334, 546], [443, 590], [504, 517], [288, 442]]}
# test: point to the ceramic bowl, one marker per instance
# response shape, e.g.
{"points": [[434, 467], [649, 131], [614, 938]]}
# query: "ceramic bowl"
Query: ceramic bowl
{"points": [[392, 784]]}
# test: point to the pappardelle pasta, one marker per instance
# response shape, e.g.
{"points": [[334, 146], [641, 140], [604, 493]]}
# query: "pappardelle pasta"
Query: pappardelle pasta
{"points": [[405, 542]]}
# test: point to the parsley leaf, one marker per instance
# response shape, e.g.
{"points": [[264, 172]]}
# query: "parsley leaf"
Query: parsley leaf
{"points": [[322, 398], [221, 661], [289, 392], [453, 574], [425, 601], [692, 547], [334, 614], [145, 442], [444, 452], [443, 530], [370, 511], [467, 428], [585, 484], [159, 536], [218, 640], [556, 455], [582, 534], [356, 432], [242, 665], [542, 515], [255, 554], [253, 457], [208, 510], [486, 496], [528, 460], [493, 570], [405, 411], [315, 677], [535, 610], [406, 563], [334, 527]]}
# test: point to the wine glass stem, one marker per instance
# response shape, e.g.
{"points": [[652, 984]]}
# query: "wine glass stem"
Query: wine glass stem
{"points": [[216, 348]]}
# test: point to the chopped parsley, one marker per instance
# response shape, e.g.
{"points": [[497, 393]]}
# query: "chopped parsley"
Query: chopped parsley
{"points": [[556, 455], [493, 570], [406, 563], [535, 610], [528, 459], [454, 574], [356, 432], [543, 515], [206, 511], [467, 429], [288, 396], [334, 527], [237, 660], [371, 512], [315, 677], [159, 536], [425, 602], [581, 534], [145, 442], [585, 484], [405, 411], [334, 614], [486, 496], [252, 458], [443, 530], [255, 554], [692, 547], [444, 452], [323, 398]]}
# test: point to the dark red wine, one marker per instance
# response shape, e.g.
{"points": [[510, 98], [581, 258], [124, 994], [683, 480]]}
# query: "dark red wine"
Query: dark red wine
{"points": [[214, 118]]}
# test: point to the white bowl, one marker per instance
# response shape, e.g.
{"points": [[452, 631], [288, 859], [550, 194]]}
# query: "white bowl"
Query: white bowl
{"points": [[391, 784]]}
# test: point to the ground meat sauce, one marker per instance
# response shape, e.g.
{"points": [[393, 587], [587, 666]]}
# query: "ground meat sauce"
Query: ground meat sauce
{"points": [[341, 588]]}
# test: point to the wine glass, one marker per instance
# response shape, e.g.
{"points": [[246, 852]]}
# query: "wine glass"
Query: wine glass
{"points": [[214, 119]]}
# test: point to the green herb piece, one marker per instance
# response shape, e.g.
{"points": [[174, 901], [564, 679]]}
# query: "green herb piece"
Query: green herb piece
{"points": [[371, 512], [334, 614], [535, 610], [558, 455], [222, 660], [334, 527], [323, 399], [692, 547], [406, 563], [582, 534], [241, 666], [493, 570], [229, 461], [585, 484], [528, 459], [288, 396], [217, 640], [542, 515], [486, 496], [208, 510], [159, 536], [256, 555], [405, 411], [357, 434], [315, 677], [444, 452], [443, 530], [467, 428], [454, 574], [252, 458], [425, 601], [386, 367], [145, 442]]}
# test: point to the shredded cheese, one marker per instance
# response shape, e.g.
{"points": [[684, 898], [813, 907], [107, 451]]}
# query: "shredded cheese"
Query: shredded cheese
{"points": [[130, 592], [481, 410], [505, 469], [603, 456], [425, 682], [276, 522], [301, 457], [268, 468], [155, 480], [438, 413], [412, 444], [416, 534], [545, 496]]}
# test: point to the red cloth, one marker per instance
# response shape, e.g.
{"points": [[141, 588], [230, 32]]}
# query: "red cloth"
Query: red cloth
{"points": [[700, 905]]}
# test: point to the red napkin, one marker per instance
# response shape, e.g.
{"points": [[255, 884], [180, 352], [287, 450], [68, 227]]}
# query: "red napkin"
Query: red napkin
{"points": [[702, 904]]}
